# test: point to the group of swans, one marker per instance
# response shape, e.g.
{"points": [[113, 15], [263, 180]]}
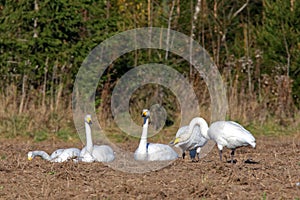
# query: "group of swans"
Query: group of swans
{"points": [[225, 133], [90, 153], [189, 138]]}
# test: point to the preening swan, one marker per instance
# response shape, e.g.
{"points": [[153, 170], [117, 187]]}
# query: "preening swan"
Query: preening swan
{"points": [[231, 135], [90, 153], [191, 138], [150, 151], [59, 155]]}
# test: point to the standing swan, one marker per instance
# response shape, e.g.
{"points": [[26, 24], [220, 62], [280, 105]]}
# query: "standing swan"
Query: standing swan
{"points": [[150, 151], [59, 155], [225, 133], [191, 137], [231, 135], [90, 152]]}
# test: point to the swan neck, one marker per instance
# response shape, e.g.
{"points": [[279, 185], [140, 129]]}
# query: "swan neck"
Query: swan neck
{"points": [[143, 141], [42, 154], [201, 123], [89, 141]]}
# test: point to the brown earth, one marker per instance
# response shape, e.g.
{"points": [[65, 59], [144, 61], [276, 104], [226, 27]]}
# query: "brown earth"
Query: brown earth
{"points": [[273, 174]]}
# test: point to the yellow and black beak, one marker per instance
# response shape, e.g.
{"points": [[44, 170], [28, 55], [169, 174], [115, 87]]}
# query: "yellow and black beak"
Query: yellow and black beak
{"points": [[176, 141], [89, 121], [144, 113], [29, 158]]}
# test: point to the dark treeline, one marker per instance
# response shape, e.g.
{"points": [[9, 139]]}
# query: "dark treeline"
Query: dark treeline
{"points": [[254, 43]]}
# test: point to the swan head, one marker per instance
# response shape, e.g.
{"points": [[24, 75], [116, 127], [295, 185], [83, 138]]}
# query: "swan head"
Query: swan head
{"points": [[180, 139], [88, 119], [30, 155], [146, 113]]}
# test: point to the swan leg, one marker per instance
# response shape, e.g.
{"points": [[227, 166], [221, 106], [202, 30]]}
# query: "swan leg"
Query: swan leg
{"points": [[198, 153], [232, 155], [183, 155], [193, 155], [220, 147]]}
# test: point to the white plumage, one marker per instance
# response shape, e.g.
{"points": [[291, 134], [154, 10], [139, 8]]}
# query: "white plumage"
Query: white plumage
{"points": [[66, 154], [225, 133], [90, 153], [190, 137], [231, 135], [151, 151], [59, 155]]}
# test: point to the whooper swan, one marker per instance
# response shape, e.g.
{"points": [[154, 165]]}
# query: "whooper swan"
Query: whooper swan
{"points": [[150, 151], [59, 155], [191, 138], [90, 153], [231, 135]]}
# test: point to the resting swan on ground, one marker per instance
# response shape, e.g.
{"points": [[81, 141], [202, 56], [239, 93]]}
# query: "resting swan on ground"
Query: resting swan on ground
{"points": [[151, 151], [59, 155], [90, 153], [190, 137]]}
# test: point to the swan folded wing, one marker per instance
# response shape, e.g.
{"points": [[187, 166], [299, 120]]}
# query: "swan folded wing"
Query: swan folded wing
{"points": [[241, 134], [161, 152], [67, 154], [103, 153], [56, 153]]}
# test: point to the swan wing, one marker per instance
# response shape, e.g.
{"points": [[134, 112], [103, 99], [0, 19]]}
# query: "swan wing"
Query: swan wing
{"points": [[56, 153], [67, 154], [103, 153], [160, 152]]}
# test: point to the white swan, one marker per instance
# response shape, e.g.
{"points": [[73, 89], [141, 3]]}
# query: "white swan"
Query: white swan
{"points": [[191, 138], [90, 152], [59, 155], [231, 135], [150, 151], [225, 133]]}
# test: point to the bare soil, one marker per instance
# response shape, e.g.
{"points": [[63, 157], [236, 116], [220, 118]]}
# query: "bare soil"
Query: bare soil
{"points": [[272, 173]]}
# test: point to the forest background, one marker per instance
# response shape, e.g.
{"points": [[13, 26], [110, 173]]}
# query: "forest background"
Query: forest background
{"points": [[254, 43]]}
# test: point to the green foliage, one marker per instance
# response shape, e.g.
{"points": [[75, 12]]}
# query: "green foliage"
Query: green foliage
{"points": [[264, 196], [14, 126], [279, 38], [44, 43], [66, 134], [40, 136]]}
